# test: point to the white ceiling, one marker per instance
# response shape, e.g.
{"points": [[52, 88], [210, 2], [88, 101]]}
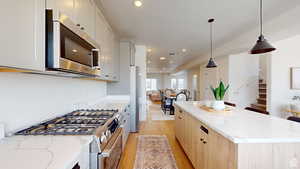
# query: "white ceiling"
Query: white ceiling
{"points": [[170, 25]]}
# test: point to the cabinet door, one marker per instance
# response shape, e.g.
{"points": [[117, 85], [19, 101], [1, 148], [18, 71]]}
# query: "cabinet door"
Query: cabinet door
{"points": [[85, 16], [65, 7], [23, 34], [116, 58], [221, 154], [188, 134], [177, 124]]}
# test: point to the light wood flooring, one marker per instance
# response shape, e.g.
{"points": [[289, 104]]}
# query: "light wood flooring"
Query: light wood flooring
{"points": [[154, 128]]}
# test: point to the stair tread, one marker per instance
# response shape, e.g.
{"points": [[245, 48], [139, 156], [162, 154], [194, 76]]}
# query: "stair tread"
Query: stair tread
{"points": [[259, 105], [263, 99]]}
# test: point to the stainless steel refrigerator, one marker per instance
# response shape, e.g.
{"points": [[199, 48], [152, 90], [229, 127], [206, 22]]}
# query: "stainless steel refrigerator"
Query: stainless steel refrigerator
{"points": [[135, 82]]}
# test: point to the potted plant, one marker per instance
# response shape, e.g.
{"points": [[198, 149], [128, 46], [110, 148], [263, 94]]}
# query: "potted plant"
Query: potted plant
{"points": [[219, 94]]}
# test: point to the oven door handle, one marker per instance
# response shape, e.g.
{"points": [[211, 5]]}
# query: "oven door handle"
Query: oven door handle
{"points": [[107, 152]]}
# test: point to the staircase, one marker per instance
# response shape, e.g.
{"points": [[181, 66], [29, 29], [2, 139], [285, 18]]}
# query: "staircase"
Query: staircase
{"points": [[262, 100]]}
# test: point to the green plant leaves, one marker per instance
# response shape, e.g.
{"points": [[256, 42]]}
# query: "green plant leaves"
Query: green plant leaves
{"points": [[220, 91]]}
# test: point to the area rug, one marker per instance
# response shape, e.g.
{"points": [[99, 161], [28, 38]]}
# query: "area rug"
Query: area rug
{"points": [[154, 152]]}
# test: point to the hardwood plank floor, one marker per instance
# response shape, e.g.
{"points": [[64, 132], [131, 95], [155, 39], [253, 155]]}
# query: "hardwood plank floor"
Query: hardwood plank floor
{"points": [[150, 127]]}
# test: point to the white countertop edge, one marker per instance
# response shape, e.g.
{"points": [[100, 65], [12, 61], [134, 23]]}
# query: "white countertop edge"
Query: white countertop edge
{"points": [[241, 140]]}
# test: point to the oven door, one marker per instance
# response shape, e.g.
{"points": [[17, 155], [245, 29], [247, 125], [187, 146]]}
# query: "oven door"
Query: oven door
{"points": [[111, 155], [69, 48]]}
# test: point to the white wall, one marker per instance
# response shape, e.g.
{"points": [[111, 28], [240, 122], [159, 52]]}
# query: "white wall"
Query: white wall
{"points": [[243, 79], [212, 77], [140, 61], [28, 99], [191, 74], [280, 93], [263, 65]]}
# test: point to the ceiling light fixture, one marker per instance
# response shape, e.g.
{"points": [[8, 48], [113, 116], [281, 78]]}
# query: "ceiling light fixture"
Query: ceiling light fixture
{"points": [[211, 62], [183, 50], [162, 58], [262, 45], [149, 50], [138, 3]]}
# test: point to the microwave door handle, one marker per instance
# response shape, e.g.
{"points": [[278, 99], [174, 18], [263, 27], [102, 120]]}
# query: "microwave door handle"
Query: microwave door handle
{"points": [[94, 50]]}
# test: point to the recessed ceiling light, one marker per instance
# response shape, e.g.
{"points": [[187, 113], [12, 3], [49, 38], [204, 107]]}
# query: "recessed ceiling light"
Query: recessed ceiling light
{"points": [[149, 50], [183, 50], [138, 3], [162, 58], [149, 61]]}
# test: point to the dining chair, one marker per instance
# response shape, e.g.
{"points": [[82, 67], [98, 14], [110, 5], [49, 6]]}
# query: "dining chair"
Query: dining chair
{"points": [[181, 97], [257, 110], [230, 104]]}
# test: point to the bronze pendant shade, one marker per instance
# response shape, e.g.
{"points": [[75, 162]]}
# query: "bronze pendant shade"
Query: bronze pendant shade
{"points": [[211, 62], [262, 45]]}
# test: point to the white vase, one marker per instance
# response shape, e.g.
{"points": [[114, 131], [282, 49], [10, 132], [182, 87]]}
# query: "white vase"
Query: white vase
{"points": [[219, 105]]}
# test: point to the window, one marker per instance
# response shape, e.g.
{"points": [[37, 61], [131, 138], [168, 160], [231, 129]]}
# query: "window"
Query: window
{"points": [[173, 83], [151, 84], [177, 84], [180, 84]]}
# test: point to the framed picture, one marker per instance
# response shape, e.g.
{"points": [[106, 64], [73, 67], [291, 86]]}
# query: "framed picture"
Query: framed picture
{"points": [[295, 78]]}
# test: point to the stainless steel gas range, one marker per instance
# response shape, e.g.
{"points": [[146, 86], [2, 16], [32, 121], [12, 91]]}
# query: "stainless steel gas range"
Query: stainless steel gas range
{"points": [[104, 125]]}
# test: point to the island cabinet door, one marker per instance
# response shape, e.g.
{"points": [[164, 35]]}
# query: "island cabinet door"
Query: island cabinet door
{"points": [[197, 152], [188, 134], [222, 153], [202, 147], [177, 124]]}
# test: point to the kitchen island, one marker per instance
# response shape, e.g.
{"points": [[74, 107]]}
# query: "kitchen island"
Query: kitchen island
{"points": [[238, 139]]}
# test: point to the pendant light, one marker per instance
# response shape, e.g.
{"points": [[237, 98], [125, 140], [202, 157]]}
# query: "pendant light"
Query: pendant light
{"points": [[262, 45], [211, 62]]}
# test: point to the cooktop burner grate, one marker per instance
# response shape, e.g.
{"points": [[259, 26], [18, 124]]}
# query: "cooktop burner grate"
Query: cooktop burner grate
{"points": [[80, 122]]}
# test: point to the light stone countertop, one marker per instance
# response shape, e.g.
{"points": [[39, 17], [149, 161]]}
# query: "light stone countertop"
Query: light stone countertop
{"points": [[53, 152], [242, 126]]}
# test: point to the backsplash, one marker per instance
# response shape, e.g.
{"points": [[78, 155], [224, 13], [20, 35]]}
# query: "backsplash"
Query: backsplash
{"points": [[28, 99]]}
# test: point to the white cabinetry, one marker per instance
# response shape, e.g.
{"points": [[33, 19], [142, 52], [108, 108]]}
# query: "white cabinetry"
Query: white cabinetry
{"points": [[23, 34], [109, 43], [81, 12], [85, 16], [66, 7]]}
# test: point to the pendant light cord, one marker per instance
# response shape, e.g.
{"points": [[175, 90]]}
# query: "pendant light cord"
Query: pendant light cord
{"points": [[261, 18], [211, 43]]}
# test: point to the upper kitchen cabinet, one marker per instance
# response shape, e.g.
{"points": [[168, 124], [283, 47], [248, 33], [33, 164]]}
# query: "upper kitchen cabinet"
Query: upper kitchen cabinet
{"points": [[81, 12], [109, 43], [23, 34], [66, 7], [85, 16]]}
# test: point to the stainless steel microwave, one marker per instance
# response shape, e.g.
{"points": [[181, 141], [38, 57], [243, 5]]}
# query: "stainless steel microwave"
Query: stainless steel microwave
{"points": [[68, 48]]}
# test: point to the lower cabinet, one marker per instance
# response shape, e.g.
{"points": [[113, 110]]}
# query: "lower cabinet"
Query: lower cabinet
{"points": [[205, 148]]}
